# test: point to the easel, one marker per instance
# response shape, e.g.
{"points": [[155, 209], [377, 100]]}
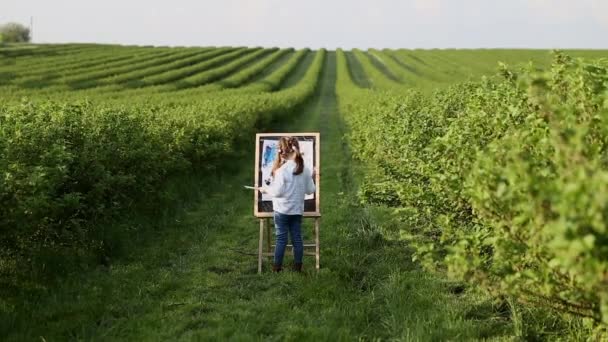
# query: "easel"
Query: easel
{"points": [[265, 234], [265, 215]]}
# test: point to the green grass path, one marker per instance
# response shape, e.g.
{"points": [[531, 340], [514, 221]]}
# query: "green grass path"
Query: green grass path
{"points": [[196, 277]]}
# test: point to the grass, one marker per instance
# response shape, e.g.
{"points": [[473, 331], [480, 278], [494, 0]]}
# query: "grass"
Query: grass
{"points": [[194, 276]]}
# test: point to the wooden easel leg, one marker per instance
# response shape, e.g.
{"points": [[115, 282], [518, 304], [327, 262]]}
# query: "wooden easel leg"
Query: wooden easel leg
{"points": [[268, 238], [317, 249], [260, 246]]}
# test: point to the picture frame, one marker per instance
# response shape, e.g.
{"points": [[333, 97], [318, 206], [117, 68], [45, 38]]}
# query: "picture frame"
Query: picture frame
{"points": [[264, 156]]}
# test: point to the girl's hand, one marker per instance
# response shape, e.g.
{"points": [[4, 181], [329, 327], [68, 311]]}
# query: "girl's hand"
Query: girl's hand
{"points": [[262, 190], [315, 172]]}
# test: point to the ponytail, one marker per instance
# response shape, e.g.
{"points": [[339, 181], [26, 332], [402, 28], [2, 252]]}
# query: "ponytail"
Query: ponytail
{"points": [[295, 146], [299, 163]]}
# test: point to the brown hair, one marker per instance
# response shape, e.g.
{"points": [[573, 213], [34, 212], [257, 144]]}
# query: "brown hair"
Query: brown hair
{"points": [[286, 146]]}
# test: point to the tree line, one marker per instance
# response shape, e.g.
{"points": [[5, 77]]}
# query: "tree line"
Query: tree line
{"points": [[14, 33]]}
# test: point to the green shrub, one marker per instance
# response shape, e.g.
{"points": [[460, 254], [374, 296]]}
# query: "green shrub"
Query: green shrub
{"points": [[15, 33], [502, 182], [66, 166]]}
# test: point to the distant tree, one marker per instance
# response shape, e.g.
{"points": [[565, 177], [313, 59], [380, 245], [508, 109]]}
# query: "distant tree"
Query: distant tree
{"points": [[14, 33]]}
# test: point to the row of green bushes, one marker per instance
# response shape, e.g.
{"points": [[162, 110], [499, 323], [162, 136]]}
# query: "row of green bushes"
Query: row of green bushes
{"points": [[502, 182], [67, 166]]}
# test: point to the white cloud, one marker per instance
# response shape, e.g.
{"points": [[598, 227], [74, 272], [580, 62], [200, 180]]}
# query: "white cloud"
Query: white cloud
{"points": [[429, 7], [569, 10], [319, 23], [600, 11]]}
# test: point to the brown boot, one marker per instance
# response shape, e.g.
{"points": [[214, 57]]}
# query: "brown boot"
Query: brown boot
{"points": [[297, 267], [276, 268]]}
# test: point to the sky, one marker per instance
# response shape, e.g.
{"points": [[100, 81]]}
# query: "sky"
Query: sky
{"points": [[318, 23]]}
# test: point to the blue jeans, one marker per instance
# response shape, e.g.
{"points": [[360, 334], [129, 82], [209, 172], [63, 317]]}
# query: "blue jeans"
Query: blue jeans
{"points": [[292, 224]]}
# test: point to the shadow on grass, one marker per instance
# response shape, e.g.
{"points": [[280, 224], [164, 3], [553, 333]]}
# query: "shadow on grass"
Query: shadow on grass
{"points": [[356, 70], [382, 67]]}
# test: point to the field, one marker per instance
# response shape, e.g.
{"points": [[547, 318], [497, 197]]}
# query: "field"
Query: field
{"points": [[464, 193]]}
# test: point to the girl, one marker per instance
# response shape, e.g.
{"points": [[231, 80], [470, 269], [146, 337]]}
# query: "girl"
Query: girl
{"points": [[291, 181]]}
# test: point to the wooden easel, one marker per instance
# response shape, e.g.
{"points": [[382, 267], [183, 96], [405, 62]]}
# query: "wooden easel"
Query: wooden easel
{"points": [[264, 216], [265, 234]]}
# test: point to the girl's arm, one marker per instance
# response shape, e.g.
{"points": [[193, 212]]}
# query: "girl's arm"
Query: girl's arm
{"points": [[277, 187]]}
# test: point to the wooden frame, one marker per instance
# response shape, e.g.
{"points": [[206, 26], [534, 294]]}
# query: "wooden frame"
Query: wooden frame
{"points": [[315, 136], [265, 215]]}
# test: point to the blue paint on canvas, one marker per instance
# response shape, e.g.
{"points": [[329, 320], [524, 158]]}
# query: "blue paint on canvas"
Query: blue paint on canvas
{"points": [[270, 152]]}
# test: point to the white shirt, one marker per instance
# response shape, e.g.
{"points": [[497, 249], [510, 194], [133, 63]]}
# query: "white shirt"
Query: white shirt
{"points": [[288, 190]]}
